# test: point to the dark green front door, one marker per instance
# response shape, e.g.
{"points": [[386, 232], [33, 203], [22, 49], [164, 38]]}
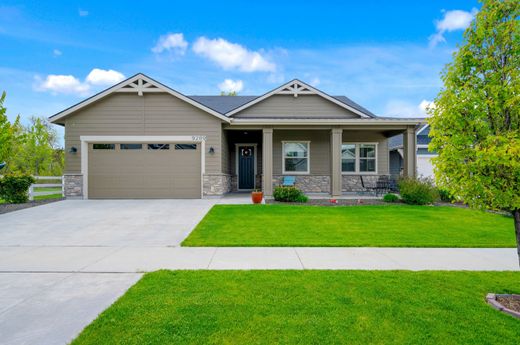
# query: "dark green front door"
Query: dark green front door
{"points": [[246, 167]]}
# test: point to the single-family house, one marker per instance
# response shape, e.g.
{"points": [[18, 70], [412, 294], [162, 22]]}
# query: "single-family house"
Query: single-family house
{"points": [[143, 139]]}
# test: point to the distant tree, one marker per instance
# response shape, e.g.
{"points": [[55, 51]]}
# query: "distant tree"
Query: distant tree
{"points": [[230, 93], [475, 124], [9, 136]]}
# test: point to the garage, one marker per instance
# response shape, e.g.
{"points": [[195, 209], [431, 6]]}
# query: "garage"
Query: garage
{"points": [[139, 170]]}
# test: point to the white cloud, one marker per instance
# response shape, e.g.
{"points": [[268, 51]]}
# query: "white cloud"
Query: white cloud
{"points": [[232, 55], [171, 42], [57, 52], [66, 84], [82, 13], [69, 84], [315, 82], [104, 77], [400, 108], [230, 85], [452, 21]]}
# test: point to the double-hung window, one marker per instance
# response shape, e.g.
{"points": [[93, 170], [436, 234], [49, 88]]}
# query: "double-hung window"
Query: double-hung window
{"points": [[359, 158], [295, 157]]}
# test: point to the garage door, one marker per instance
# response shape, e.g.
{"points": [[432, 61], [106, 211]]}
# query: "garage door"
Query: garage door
{"points": [[144, 170]]}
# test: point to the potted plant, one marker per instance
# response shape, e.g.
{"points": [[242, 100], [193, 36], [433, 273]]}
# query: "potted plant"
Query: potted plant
{"points": [[257, 196]]}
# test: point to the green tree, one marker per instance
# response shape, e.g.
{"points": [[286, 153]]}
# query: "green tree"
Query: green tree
{"points": [[9, 136], [475, 124]]}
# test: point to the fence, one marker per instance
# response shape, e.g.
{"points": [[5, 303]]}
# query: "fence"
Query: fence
{"points": [[33, 193]]}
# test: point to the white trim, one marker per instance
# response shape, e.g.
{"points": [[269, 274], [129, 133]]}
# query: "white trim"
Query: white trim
{"points": [[128, 86], [422, 129], [422, 146], [236, 165], [357, 163], [257, 121], [294, 85], [308, 158], [88, 139]]}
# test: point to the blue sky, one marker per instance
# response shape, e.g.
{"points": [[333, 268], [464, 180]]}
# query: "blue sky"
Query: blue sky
{"points": [[386, 55]]}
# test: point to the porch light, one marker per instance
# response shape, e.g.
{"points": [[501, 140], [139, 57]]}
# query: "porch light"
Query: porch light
{"points": [[211, 150], [73, 150]]}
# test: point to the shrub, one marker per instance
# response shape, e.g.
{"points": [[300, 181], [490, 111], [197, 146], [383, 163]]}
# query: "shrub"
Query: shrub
{"points": [[289, 194], [445, 195], [390, 198], [418, 191], [13, 189]]}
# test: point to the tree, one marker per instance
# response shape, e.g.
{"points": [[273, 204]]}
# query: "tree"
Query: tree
{"points": [[9, 135], [475, 124]]}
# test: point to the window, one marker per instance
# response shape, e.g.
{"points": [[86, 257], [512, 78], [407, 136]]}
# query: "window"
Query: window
{"points": [[359, 158], [104, 146], [185, 146], [158, 146], [131, 146], [296, 157], [348, 158]]}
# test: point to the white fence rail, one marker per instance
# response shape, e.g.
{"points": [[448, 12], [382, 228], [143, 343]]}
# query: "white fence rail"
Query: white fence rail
{"points": [[33, 193]]}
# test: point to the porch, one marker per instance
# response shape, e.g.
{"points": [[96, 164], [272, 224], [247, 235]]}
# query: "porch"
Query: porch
{"points": [[342, 162]]}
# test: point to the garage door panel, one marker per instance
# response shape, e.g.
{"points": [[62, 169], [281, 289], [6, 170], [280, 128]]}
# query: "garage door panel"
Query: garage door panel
{"points": [[144, 173]]}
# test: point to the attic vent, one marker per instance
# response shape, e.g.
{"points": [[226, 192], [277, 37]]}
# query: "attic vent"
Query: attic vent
{"points": [[139, 86], [295, 89]]}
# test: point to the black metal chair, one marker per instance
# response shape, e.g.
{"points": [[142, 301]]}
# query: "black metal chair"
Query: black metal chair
{"points": [[372, 187]]}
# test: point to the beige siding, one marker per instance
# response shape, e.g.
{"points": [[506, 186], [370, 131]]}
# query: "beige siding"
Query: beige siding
{"points": [[150, 114], [372, 137], [319, 149], [287, 106], [226, 167]]}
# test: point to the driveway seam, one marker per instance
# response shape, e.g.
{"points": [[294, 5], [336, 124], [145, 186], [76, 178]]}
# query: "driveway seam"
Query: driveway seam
{"points": [[101, 258], [299, 259], [212, 256]]}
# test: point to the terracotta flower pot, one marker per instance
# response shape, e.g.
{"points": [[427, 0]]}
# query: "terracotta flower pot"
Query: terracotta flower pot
{"points": [[257, 197]]}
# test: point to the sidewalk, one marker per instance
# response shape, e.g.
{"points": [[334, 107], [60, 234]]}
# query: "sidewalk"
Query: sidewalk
{"points": [[146, 259]]}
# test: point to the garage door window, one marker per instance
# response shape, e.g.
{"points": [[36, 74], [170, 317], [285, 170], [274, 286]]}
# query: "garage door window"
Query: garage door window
{"points": [[158, 146], [104, 146], [185, 146], [131, 146]]}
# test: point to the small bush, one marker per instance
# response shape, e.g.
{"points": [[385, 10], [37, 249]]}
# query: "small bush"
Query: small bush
{"points": [[445, 195], [14, 189], [418, 191], [390, 198], [289, 194]]}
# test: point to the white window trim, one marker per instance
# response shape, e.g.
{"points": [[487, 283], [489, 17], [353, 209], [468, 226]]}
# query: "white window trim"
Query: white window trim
{"points": [[89, 139], [236, 165], [357, 172], [308, 158]]}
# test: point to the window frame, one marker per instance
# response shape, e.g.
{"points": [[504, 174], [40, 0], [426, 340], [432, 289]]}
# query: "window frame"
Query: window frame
{"points": [[358, 159], [110, 147], [308, 143]]}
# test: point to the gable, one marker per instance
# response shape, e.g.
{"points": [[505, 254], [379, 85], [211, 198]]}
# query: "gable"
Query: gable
{"points": [[288, 106], [297, 99]]}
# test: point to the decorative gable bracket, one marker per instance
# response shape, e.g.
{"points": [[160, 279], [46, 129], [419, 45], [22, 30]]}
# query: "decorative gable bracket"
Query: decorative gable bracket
{"points": [[140, 86], [295, 89]]}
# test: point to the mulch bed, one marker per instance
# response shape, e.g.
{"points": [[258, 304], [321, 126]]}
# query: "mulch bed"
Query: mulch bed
{"points": [[506, 303], [6, 208]]}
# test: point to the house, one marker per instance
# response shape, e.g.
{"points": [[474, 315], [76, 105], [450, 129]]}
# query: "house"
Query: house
{"points": [[142, 139], [424, 155]]}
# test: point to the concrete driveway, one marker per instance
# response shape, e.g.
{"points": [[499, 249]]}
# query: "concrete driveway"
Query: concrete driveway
{"points": [[44, 298], [104, 223]]}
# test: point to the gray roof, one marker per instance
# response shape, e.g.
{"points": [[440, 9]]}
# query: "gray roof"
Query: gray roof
{"points": [[224, 104]]}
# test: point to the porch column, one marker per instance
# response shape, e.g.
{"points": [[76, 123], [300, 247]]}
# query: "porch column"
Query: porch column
{"points": [[336, 135], [267, 162], [409, 152]]}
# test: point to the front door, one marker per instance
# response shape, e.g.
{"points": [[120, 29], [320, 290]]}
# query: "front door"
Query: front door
{"points": [[246, 167]]}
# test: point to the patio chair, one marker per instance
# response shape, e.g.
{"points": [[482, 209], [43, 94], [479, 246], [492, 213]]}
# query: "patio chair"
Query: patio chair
{"points": [[372, 187], [288, 181]]}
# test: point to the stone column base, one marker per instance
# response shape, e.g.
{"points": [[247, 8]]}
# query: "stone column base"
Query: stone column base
{"points": [[308, 183], [216, 184], [73, 186]]}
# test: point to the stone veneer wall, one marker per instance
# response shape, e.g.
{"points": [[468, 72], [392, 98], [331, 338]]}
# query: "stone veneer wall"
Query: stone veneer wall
{"points": [[73, 185], [308, 183], [216, 184], [352, 183]]}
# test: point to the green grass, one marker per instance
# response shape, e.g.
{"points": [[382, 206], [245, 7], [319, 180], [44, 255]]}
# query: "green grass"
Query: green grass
{"points": [[309, 307], [355, 226]]}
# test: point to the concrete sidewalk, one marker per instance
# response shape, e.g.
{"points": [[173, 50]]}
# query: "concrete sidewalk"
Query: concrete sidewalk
{"points": [[146, 259]]}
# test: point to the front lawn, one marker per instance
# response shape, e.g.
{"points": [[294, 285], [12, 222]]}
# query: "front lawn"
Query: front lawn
{"points": [[309, 307], [354, 226]]}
